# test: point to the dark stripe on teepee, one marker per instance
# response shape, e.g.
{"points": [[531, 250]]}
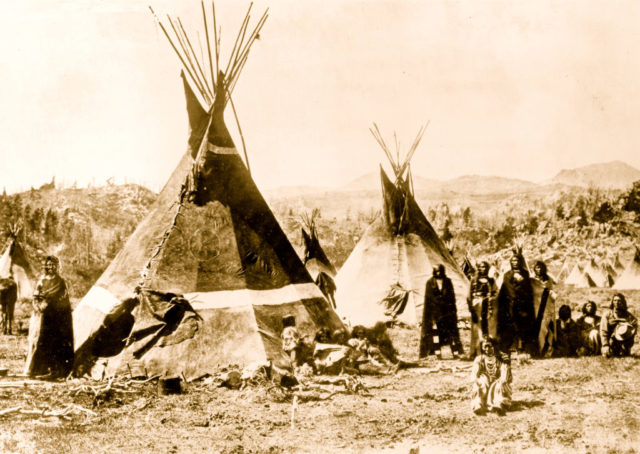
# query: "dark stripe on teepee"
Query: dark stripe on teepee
{"points": [[267, 258], [198, 118]]}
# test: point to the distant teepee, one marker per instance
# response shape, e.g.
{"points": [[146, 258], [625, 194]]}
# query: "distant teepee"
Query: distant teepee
{"points": [[316, 261], [630, 277], [14, 263], [384, 277]]}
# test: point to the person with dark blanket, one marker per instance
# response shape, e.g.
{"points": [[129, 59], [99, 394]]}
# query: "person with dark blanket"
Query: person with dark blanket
{"points": [[50, 331], [589, 329], [481, 302], [567, 334], [439, 307], [516, 313], [618, 328]]}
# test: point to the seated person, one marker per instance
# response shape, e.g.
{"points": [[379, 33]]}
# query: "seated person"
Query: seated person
{"points": [[618, 328], [299, 353], [567, 336], [589, 330], [330, 354], [367, 355], [491, 375]]}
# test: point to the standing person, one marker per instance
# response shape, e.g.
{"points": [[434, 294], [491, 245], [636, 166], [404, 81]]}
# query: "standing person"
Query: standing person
{"points": [[589, 328], [439, 307], [481, 302], [618, 328], [516, 313], [491, 375], [540, 270], [50, 330]]}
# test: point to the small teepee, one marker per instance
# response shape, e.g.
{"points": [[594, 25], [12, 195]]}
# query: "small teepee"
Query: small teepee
{"points": [[630, 277], [316, 261], [14, 263]]}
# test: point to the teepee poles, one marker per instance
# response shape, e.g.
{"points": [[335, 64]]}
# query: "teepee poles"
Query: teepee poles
{"points": [[195, 58], [196, 70], [166, 34], [399, 166], [206, 32], [199, 84]]}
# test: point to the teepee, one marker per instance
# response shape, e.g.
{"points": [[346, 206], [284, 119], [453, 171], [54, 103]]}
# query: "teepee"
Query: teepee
{"points": [[210, 267], [579, 278], [384, 277], [630, 277], [316, 261], [593, 270], [14, 263], [564, 271]]}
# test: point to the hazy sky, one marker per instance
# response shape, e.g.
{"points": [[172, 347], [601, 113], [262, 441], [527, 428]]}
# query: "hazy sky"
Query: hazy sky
{"points": [[91, 90]]}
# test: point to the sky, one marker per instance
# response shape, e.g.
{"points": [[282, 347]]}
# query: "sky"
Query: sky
{"points": [[90, 90]]}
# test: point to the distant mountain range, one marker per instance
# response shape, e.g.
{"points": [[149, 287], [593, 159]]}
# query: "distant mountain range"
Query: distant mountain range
{"points": [[608, 175]]}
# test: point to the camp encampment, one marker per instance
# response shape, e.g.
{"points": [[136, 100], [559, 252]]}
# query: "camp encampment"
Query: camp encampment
{"points": [[384, 276], [630, 277], [14, 263], [210, 268]]}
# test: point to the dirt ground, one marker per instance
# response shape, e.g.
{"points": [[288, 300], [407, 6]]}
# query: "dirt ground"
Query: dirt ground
{"points": [[560, 405]]}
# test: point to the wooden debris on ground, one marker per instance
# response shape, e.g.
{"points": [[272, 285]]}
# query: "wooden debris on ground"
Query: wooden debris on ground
{"points": [[64, 413]]}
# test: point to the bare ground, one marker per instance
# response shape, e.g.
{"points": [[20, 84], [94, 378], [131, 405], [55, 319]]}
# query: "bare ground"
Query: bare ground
{"points": [[560, 405]]}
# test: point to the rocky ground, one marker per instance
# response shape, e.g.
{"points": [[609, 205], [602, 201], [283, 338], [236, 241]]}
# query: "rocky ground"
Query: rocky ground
{"points": [[560, 405]]}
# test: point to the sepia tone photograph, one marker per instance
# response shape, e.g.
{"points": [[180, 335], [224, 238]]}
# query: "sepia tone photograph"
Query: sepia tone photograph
{"points": [[362, 226]]}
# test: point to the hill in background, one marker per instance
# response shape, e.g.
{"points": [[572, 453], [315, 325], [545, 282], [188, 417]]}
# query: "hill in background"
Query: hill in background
{"points": [[87, 227], [608, 175]]}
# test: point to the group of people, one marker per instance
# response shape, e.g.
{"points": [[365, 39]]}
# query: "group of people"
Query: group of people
{"points": [[610, 335], [506, 314], [362, 351], [505, 318]]}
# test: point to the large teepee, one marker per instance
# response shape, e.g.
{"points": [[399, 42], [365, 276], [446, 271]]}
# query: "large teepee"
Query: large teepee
{"points": [[630, 277], [213, 271], [14, 263], [384, 277]]}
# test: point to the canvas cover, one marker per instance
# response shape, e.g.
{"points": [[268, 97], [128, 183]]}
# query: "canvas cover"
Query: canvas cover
{"points": [[398, 250], [14, 263], [630, 277], [594, 271], [210, 237]]}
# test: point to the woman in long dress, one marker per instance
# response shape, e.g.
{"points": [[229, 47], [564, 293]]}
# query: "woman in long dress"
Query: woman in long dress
{"points": [[50, 330], [491, 375]]}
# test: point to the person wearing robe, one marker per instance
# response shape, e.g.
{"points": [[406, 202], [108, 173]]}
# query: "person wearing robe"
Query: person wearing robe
{"points": [[51, 328], [439, 308], [540, 271], [516, 313], [589, 329], [567, 334], [491, 375], [618, 328], [481, 302]]}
